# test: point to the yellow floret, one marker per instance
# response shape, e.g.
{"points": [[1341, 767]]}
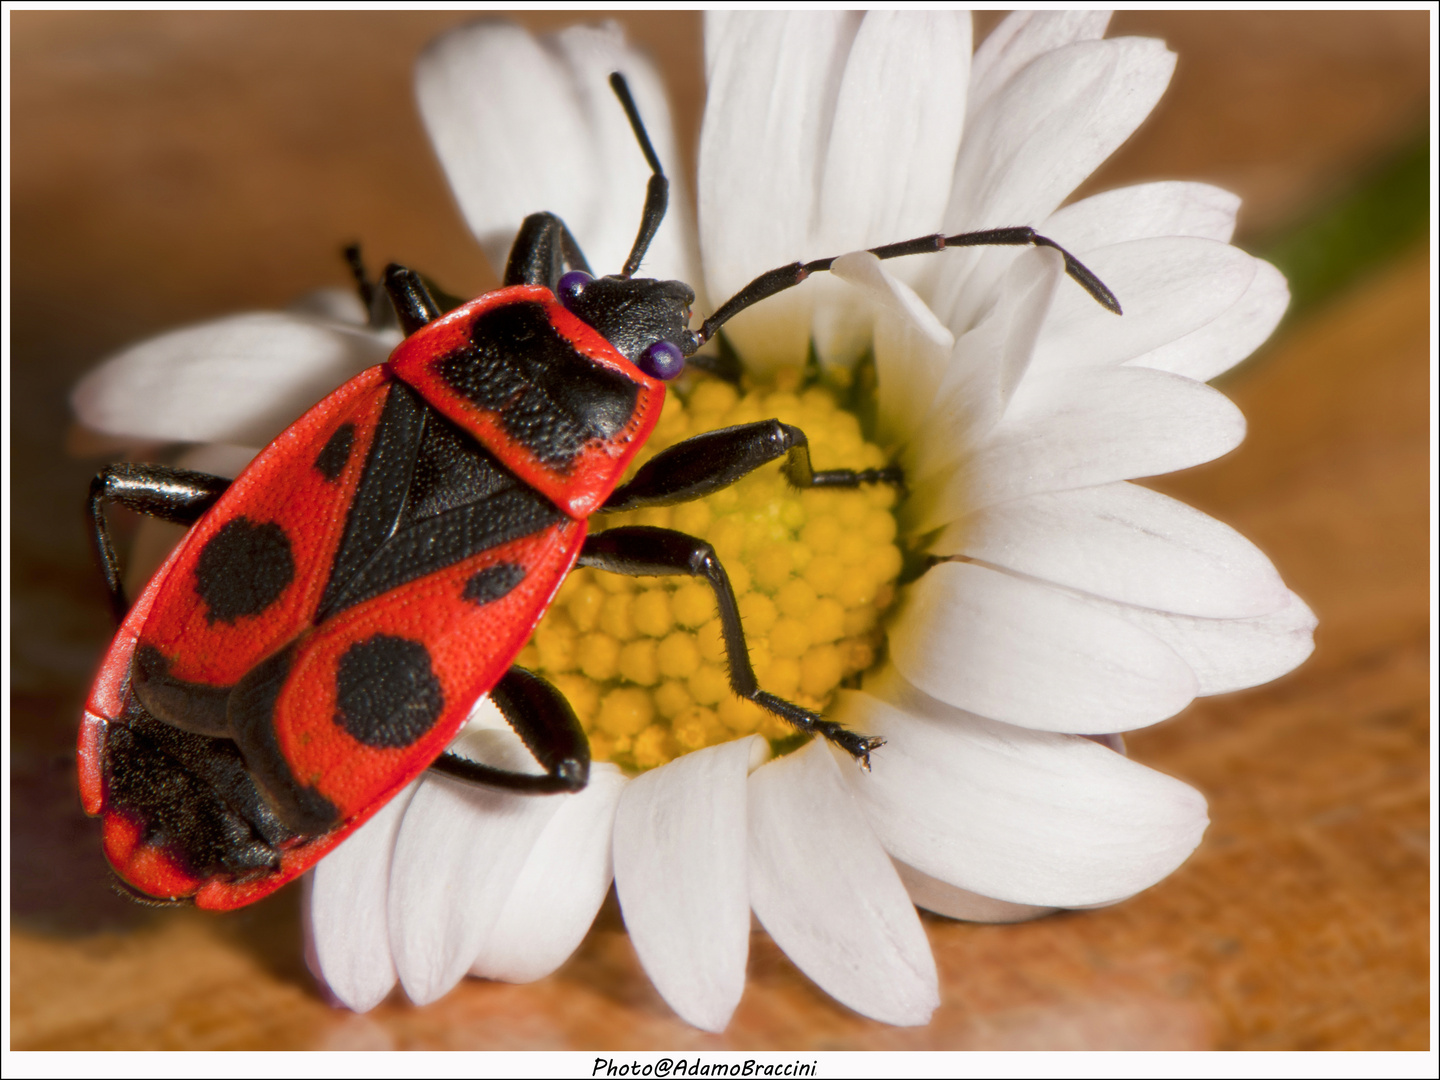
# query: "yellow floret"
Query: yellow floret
{"points": [[651, 613], [638, 664], [625, 711]]}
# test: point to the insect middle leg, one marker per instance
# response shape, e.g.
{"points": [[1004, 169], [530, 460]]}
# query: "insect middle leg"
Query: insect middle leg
{"points": [[178, 495], [642, 551], [704, 464]]}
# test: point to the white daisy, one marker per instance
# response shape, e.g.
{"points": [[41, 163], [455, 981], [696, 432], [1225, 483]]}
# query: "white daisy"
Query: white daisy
{"points": [[1068, 602]]}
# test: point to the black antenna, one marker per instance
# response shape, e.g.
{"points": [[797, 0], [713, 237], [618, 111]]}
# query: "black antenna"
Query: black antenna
{"points": [[657, 191], [785, 277]]}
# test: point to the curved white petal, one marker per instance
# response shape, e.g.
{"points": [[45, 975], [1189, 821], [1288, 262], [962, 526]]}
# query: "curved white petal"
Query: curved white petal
{"points": [[953, 902], [592, 53], [1164, 208], [680, 872], [1233, 335], [1168, 286], [522, 125], [827, 893], [1075, 429], [1230, 654], [347, 913], [1020, 38], [1021, 652], [460, 852], [1026, 816], [1043, 131], [773, 79], [241, 379], [559, 889], [1126, 543], [891, 154], [953, 412], [912, 347]]}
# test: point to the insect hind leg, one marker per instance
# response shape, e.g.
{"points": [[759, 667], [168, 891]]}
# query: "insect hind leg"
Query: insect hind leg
{"points": [[547, 726]]}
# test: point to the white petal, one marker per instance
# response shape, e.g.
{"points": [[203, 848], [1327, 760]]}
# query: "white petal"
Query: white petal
{"points": [[347, 910], [1083, 428], [240, 380], [912, 347], [560, 888], [217, 459], [1223, 342], [1168, 286], [891, 153], [1025, 816], [955, 413], [1022, 37], [592, 53], [680, 875], [827, 893], [522, 126], [1018, 651], [335, 304], [773, 79], [458, 857], [1230, 654], [1042, 133], [953, 902], [1126, 543], [1164, 208]]}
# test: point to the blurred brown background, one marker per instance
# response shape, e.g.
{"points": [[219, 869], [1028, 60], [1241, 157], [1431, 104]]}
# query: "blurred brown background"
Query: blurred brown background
{"points": [[170, 167]]}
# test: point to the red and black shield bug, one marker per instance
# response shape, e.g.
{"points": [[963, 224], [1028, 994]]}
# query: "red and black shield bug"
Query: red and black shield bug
{"points": [[336, 611]]}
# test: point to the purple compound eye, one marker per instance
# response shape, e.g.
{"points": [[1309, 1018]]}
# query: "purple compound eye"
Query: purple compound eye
{"points": [[571, 285], [662, 361]]}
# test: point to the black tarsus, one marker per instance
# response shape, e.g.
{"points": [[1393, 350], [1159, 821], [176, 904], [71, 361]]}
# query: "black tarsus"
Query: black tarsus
{"points": [[657, 191], [547, 726], [178, 495], [785, 277]]}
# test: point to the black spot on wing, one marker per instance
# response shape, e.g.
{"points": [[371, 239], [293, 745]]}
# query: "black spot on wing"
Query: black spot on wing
{"points": [[488, 585], [386, 692], [243, 569], [330, 462], [550, 398]]}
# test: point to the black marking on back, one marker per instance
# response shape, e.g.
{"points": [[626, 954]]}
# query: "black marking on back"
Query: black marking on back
{"points": [[488, 585], [330, 462], [550, 398], [380, 496], [194, 707], [243, 569], [252, 725], [192, 796], [429, 497], [386, 692]]}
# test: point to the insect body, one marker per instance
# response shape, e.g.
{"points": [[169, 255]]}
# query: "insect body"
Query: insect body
{"points": [[335, 613]]}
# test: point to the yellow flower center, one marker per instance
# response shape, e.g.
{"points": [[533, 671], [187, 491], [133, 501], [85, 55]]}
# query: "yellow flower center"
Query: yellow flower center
{"points": [[642, 660]]}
